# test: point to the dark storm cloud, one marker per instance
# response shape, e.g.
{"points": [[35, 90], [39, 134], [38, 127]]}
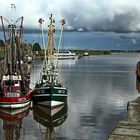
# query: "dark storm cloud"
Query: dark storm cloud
{"points": [[103, 15]]}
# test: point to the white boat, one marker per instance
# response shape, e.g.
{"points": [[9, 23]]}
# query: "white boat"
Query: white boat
{"points": [[65, 55]]}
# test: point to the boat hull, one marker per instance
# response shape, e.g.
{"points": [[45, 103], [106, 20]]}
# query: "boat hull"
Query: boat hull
{"points": [[15, 102], [50, 96]]}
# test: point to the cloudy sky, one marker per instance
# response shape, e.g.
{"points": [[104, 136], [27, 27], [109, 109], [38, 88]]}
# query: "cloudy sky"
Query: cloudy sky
{"points": [[104, 15]]}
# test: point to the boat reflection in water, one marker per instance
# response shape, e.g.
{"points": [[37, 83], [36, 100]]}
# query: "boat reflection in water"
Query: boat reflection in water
{"points": [[138, 84], [12, 122], [138, 76], [49, 118]]}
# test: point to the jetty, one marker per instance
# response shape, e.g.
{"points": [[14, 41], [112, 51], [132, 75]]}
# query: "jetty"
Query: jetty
{"points": [[130, 129]]}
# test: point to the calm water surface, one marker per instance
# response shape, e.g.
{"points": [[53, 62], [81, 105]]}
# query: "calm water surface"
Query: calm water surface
{"points": [[99, 89]]}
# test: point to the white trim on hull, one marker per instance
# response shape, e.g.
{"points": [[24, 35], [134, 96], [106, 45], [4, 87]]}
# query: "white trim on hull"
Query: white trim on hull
{"points": [[16, 105], [63, 88], [51, 112], [52, 104], [50, 95], [14, 111]]}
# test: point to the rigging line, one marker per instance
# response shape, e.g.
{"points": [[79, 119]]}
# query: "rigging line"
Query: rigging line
{"points": [[12, 13], [57, 63], [42, 33], [59, 45], [55, 49], [60, 40], [43, 44]]}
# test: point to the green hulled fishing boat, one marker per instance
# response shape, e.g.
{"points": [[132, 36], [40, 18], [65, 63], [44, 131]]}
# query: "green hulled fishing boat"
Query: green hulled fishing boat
{"points": [[49, 89]]}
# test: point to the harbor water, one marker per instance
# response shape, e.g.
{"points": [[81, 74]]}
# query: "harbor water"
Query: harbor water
{"points": [[99, 88]]}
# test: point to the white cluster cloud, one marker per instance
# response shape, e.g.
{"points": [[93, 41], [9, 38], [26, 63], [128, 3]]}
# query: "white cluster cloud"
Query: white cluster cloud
{"points": [[106, 15]]}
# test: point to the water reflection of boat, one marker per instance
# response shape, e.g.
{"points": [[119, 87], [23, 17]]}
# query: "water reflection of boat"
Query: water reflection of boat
{"points": [[12, 122], [138, 76], [138, 84], [67, 62], [49, 118]]}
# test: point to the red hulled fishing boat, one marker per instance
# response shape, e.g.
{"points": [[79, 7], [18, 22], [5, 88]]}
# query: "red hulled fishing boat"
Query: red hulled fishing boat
{"points": [[14, 87]]}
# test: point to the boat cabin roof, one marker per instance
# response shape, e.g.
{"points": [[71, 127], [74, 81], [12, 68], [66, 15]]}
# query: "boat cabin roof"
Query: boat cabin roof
{"points": [[12, 77]]}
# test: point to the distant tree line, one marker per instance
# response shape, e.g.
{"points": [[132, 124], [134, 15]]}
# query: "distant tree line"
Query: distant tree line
{"points": [[1, 43], [26, 48], [35, 46], [35, 49]]}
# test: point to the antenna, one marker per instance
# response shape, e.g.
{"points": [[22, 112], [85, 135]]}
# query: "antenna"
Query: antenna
{"points": [[12, 7]]}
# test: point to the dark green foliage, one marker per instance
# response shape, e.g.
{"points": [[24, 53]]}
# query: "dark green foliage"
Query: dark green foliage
{"points": [[1, 43], [36, 47]]}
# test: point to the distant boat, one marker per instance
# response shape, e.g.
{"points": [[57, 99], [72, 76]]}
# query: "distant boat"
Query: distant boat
{"points": [[86, 54], [65, 55], [14, 87], [49, 89]]}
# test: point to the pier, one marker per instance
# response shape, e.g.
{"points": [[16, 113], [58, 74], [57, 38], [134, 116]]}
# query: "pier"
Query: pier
{"points": [[130, 129]]}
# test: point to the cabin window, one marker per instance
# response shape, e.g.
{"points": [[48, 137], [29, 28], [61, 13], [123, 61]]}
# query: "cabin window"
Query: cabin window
{"points": [[60, 91], [16, 83], [45, 77], [9, 83], [41, 91]]}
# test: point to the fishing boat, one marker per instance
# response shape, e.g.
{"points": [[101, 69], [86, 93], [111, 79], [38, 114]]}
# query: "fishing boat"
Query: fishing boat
{"points": [[49, 89], [14, 84]]}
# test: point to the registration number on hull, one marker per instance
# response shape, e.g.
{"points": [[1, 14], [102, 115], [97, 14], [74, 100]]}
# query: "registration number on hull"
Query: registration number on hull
{"points": [[12, 94]]}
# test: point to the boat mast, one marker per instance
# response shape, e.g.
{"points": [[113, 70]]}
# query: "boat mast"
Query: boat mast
{"points": [[18, 41], [21, 29], [12, 26], [51, 38]]}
